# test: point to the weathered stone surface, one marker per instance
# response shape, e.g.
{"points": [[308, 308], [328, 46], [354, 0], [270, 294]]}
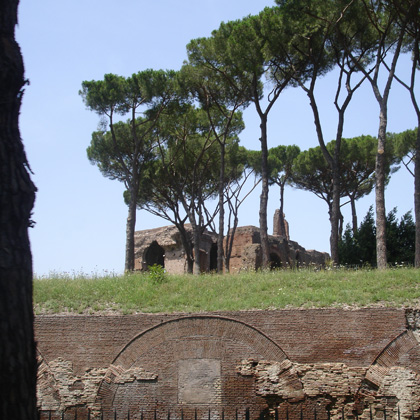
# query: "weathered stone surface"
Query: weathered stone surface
{"points": [[199, 381]]}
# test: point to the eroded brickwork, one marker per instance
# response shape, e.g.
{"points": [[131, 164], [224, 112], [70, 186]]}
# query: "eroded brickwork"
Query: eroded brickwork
{"points": [[164, 246], [293, 361], [59, 388]]}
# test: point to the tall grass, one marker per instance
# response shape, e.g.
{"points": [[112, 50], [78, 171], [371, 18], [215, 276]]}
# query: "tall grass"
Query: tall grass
{"points": [[80, 293]]}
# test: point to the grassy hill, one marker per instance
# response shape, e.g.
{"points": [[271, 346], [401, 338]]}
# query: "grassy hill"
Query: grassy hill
{"points": [[159, 292]]}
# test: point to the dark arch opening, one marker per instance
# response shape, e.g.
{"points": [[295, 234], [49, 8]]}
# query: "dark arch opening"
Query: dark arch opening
{"points": [[275, 261], [154, 254], [213, 257], [297, 259]]}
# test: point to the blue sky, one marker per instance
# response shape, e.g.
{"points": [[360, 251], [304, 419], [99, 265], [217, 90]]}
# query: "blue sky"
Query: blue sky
{"points": [[80, 215]]}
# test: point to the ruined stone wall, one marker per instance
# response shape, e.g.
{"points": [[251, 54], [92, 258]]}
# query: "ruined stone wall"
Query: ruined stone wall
{"points": [[246, 249], [288, 360], [168, 239]]}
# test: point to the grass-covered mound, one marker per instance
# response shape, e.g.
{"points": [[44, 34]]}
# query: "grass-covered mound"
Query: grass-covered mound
{"points": [[160, 292]]}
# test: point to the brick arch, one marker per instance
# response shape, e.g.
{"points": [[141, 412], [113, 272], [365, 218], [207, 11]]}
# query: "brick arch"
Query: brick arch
{"points": [[188, 362], [402, 351], [395, 374]]}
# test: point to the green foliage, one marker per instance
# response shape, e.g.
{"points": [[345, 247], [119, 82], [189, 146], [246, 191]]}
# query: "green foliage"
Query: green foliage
{"points": [[311, 172], [357, 165], [105, 96], [359, 248], [233, 57], [188, 158], [280, 162], [400, 237], [405, 146], [121, 148], [304, 41], [170, 157], [120, 95], [123, 151], [115, 154], [157, 273], [188, 162]]}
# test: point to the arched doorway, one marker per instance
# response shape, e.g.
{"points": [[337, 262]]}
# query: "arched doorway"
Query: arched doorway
{"points": [[213, 257], [275, 261], [154, 254]]}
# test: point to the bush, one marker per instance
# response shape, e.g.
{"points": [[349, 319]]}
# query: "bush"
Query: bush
{"points": [[157, 273]]}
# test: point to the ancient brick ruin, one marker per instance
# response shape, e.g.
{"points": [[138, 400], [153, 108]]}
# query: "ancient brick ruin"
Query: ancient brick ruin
{"points": [[335, 363], [163, 246]]}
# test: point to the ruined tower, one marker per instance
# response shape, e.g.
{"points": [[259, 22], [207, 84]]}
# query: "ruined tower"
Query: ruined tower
{"points": [[277, 228]]}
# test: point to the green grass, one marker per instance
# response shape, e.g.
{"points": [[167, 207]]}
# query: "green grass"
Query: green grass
{"points": [[79, 293]]}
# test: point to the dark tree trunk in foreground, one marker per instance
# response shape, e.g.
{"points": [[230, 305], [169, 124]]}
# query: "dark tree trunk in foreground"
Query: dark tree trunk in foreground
{"points": [[17, 193], [417, 151], [417, 198]]}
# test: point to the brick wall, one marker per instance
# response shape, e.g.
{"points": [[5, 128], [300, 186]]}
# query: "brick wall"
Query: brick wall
{"points": [[330, 359]]}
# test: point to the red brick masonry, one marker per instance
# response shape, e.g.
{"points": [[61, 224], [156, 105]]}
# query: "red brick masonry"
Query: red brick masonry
{"points": [[329, 358]]}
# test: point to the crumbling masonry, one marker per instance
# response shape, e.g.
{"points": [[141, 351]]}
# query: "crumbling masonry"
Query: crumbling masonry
{"points": [[163, 246]]}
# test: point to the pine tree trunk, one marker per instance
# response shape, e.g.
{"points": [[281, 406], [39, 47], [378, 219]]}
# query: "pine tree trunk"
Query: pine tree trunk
{"points": [[414, 70], [197, 265], [220, 251], [130, 229], [381, 258], [193, 259], [335, 214], [186, 244], [196, 239], [264, 196], [353, 215], [17, 194], [417, 197], [282, 223], [333, 162], [229, 244]]}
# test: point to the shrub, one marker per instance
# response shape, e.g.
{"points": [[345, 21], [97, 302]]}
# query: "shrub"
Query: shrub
{"points": [[157, 273]]}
